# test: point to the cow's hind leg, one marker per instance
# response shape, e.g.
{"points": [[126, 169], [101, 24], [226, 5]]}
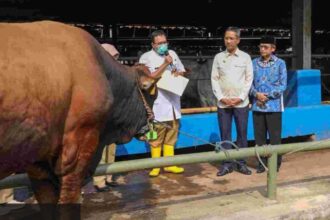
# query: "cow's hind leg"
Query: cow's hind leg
{"points": [[46, 190], [84, 140], [45, 185]]}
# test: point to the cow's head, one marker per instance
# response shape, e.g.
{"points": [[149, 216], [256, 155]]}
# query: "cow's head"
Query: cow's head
{"points": [[146, 82], [147, 85], [144, 76]]}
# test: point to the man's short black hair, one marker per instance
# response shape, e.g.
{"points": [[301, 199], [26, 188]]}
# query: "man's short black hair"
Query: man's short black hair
{"points": [[157, 33], [268, 40]]}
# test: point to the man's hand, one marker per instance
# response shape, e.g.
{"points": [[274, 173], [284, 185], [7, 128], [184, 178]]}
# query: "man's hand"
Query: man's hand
{"points": [[236, 101], [231, 102], [176, 73], [227, 102], [260, 104], [262, 97], [168, 59]]}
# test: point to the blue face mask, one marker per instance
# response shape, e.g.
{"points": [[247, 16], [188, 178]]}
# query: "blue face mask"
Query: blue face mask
{"points": [[162, 49]]}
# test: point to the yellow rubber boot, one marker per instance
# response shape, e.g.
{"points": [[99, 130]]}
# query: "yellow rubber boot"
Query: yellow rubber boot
{"points": [[169, 152], [155, 153]]}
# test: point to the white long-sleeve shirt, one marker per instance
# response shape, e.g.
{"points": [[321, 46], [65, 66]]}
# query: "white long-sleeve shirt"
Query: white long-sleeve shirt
{"points": [[232, 76], [166, 102]]}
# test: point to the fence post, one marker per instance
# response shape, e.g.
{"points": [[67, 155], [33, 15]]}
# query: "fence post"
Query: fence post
{"points": [[271, 176]]}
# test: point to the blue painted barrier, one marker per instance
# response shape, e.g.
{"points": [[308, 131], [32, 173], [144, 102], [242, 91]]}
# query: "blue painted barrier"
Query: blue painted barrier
{"points": [[303, 88], [304, 115]]}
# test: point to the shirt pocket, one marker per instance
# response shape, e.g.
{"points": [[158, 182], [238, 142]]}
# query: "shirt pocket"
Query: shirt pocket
{"points": [[239, 68], [222, 68], [239, 65]]}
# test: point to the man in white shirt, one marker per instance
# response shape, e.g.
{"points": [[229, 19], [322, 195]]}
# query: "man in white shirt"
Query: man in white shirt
{"points": [[232, 76], [167, 107]]}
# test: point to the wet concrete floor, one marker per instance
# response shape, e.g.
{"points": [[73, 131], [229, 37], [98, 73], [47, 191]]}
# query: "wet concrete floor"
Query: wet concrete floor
{"points": [[140, 197]]}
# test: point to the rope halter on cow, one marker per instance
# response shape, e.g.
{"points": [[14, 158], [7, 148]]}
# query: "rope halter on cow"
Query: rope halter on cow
{"points": [[150, 116]]}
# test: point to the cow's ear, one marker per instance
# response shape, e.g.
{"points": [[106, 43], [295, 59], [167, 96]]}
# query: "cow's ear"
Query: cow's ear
{"points": [[142, 69]]}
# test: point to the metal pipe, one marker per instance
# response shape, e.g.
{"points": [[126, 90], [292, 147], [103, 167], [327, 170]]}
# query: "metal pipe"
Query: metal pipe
{"points": [[271, 176], [198, 110], [134, 165], [133, 38], [290, 55], [17, 180], [186, 57]]}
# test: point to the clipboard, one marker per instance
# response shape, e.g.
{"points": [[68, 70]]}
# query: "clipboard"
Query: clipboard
{"points": [[173, 84]]}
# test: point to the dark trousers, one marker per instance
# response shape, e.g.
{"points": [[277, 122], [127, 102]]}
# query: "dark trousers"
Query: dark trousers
{"points": [[268, 123], [225, 118], [22, 194]]}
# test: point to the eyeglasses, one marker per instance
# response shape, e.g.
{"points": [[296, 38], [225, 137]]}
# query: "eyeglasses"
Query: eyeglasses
{"points": [[264, 47]]}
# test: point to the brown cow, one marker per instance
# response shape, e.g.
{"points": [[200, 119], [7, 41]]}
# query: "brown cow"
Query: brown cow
{"points": [[62, 96]]}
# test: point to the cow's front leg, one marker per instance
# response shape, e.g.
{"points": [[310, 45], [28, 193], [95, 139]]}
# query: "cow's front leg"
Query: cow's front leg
{"points": [[79, 147]]}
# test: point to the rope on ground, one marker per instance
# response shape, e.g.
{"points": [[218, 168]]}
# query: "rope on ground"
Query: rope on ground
{"points": [[291, 152], [303, 148], [217, 146], [188, 135], [259, 158], [325, 87]]}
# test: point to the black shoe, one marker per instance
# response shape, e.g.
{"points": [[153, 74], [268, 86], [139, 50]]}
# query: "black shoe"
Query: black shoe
{"points": [[260, 169], [89, 188], [112, 183], [244, 170], [102, 189], [278, 168], [224, 171]]}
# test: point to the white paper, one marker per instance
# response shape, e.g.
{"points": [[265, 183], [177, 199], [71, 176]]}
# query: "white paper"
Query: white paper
{"points": [[171, 83]]}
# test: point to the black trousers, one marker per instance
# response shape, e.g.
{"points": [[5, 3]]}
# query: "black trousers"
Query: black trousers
{"points": [[268, 123], [225, 119]]}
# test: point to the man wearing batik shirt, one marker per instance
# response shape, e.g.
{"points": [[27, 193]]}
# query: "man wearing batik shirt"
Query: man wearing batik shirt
{"points": [[269, 84]]}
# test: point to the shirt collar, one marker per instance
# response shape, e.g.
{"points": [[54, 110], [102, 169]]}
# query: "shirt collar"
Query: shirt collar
{"points": [[237, 53], [270, 62], [273, 58]]}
